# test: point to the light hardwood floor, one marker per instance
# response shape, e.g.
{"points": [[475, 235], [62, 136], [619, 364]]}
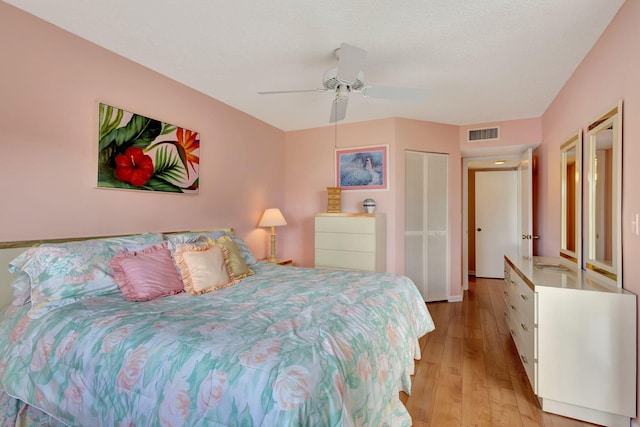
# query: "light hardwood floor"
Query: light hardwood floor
{"points": [[470, 373]]}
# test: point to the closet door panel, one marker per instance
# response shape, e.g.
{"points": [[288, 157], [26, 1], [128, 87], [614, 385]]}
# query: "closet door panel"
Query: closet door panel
{"points": [[437, 192], [426, 223], [437, 267], [414, 264]]}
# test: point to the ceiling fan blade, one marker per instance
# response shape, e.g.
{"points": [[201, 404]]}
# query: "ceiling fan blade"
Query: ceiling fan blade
{"points": [[339, 109], [291, 91], [398, 93], [350, 62]]}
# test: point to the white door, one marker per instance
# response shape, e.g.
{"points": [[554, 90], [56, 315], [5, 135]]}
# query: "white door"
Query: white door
{"points": [[525, 205], [496, 220], [426, 223]]}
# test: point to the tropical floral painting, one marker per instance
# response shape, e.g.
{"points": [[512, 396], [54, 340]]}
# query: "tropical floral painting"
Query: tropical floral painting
{"points": [[362, 168], [139, 153]]}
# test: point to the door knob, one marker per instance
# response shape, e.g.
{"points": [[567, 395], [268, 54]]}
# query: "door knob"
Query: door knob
{"points": [[478, 229]]}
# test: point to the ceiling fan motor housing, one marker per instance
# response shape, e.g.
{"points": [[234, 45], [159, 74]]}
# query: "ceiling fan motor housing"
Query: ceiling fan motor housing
{"points": [[331, 81]]}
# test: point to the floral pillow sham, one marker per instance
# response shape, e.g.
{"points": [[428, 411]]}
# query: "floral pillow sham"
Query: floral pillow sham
{"points": [[56, 274], [21, 289], [198, 238], [62, 273]]}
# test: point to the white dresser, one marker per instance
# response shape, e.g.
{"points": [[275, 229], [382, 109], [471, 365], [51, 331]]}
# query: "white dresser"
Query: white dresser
{"points": [[350, 241], [576, 338]]}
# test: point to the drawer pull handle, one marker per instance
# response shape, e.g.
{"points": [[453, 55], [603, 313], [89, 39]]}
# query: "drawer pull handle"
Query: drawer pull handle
{"points": [[524, 327], [524, 360], [524, 297], [513, 307]]}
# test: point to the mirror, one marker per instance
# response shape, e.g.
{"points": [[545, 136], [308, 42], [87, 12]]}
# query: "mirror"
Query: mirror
{"points": [[571, 199], [603, 195]]}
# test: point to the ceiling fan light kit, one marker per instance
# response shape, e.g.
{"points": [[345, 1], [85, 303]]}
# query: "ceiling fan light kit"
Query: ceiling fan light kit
{"points": [[347, 77]]}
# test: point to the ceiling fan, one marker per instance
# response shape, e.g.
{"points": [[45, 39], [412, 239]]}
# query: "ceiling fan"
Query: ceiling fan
{"points": [[347, 77]]}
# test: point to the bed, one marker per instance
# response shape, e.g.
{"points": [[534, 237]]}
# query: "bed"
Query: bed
{"points": [[283, 346]]}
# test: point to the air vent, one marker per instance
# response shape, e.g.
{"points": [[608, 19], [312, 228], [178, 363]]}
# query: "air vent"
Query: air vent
{"points": [[487, 134]]}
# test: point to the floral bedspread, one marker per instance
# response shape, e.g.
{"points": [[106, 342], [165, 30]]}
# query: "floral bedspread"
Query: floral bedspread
{"points": [[286, 347]]}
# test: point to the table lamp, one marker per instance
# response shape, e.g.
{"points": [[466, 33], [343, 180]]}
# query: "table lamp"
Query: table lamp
{"points": [[272, 218]]}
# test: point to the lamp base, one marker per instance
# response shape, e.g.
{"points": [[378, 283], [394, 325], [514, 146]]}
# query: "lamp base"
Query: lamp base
{"points": [[273, 259]]}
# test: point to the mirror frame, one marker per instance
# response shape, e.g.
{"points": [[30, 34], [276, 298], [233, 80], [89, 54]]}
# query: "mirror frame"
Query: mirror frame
{"points": [[613, 272], [573, 143]]}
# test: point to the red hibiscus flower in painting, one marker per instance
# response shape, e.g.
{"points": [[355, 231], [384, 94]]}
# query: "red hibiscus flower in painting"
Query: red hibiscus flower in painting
{"points": [[134, 167]]}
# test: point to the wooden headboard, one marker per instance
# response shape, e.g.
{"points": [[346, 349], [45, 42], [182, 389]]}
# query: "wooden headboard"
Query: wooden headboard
{"points": [[10, 250]]}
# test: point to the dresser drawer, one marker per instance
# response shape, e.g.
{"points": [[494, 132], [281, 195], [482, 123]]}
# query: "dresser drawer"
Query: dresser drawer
{"points": [[346, 241], [524, 341], [526, 333], [523, 297], [530, 365], [354, 225], [345, 260]]}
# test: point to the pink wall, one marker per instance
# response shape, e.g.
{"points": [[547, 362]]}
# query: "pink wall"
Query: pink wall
{"points": [[52, 82], [310, 170], [608, 73], [309, 156]]}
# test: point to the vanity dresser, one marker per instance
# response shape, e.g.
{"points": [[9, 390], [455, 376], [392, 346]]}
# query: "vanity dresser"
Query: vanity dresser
{"points": [[576, 337]]}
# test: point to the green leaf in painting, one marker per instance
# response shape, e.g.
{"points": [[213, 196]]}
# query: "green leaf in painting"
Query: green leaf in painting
{"points": [[157, 184], [183, 157], [107, 122], [167, 166], [182, 153], [167, 128], [138, 132]]}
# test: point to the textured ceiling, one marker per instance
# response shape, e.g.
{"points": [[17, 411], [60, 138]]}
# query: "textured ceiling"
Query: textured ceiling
{"points": [[482, 61]]}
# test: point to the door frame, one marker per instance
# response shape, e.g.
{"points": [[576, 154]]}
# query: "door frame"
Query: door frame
{"points": [[465, 207]]}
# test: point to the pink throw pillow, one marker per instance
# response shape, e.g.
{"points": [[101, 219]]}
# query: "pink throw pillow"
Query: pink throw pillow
{"points": [[147, 274]]}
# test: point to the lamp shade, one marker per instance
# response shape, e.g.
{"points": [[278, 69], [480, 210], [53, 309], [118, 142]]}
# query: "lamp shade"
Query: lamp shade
{"points": [[272, 218]]}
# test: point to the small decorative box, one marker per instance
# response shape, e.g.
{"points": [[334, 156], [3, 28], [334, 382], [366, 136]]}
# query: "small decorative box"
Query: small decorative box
{"points": [[334, 204]]}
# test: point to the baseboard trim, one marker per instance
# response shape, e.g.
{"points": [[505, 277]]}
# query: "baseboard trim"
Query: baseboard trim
{"points": [[585, 414], [457, 298]]}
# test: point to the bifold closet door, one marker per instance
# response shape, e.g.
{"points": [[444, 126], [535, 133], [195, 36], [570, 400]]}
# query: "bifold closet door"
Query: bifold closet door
{"points": [[426, 233]]}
